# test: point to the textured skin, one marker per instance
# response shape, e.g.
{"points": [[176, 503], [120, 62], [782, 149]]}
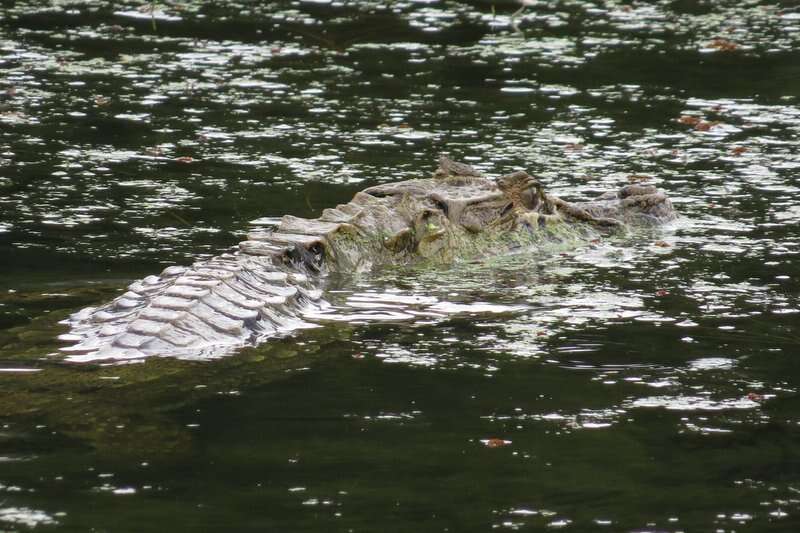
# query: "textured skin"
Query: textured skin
{"points": [[261, 289]]}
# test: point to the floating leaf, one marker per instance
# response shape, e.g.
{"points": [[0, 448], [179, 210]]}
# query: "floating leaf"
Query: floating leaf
{"points": [[495, 442], [704, 125], [723, 45]]}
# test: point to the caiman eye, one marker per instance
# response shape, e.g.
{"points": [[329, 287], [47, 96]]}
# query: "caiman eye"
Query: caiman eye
{"points": [[318, 251], [531, 198], [426, 214], [441, 205]]}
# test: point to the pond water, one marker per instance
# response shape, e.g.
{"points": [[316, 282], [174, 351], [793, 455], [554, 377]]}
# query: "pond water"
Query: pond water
{"points": [[643, 382]]}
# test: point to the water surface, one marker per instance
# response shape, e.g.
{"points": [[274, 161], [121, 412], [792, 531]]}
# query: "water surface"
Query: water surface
{"points": [[642, 382]]}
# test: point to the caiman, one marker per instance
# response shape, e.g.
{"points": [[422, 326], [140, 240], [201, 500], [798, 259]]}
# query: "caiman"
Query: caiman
{"points": [[261, 289]]}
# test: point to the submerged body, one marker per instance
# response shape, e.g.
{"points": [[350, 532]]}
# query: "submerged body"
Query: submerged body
{"points": [[260, 289]]}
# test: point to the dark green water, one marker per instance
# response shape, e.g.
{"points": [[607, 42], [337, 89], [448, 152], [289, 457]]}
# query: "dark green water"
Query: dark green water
{"points": [[646, 382]]}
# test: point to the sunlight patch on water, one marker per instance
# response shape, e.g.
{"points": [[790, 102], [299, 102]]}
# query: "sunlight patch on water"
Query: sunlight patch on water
{"points": [[24, 516], [693, 403], [591, 419], [393, 306], [148, 14], [712, 363]]}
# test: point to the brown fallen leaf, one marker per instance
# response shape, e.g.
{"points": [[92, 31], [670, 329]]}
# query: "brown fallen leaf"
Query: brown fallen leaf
{"points": [[705, 125], [662, 244], [702, 126], [723, 45], [689, 120], [184, 159], [738, 150], [662, 292], [495, 443]]}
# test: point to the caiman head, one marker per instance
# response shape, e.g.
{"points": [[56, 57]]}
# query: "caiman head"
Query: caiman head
{"points": [[452, 216], [461, 213]]}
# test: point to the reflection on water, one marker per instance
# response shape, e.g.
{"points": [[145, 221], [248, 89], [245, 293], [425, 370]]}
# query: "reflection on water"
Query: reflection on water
{"points": [[644, 381], [21, 516]]}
